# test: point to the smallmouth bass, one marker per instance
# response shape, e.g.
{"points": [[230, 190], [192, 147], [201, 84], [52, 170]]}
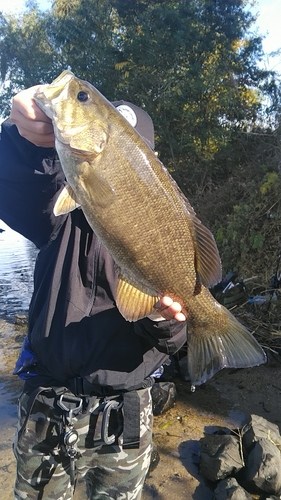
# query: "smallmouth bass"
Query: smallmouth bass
{"points": [[145, 222]]}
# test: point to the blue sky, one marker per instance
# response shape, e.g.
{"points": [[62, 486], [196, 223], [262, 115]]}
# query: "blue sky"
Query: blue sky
{"points": [[268, 24]]}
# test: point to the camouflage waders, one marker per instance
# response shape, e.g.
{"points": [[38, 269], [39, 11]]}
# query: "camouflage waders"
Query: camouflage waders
{"points": [[43, 462]]}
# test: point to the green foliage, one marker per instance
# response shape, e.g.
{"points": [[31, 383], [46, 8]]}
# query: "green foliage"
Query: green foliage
{"points": [[194, 66], [270, 181], [248, 221], [191, 64]]}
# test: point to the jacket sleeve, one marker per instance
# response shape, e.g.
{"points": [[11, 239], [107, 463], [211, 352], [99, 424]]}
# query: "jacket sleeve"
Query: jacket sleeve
{"points": [[167, 336], [30, 178]]}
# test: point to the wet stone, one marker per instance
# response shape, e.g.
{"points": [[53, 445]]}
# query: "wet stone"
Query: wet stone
{"points": [[154, 458], [21, 319], [229, 489], [258, 471], [272, 497], [259, 427], [263, 467], [219, 456]]}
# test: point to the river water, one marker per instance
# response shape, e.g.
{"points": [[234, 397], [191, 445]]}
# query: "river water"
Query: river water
{"points": [[17, 259]]}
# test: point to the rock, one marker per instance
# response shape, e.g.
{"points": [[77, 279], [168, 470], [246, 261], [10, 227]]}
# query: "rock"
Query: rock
{"points": [[263, 467], [21, 319], [154, 458], [219, 456], [272, 497], [229, 489], [259, 427], [163, 397]]}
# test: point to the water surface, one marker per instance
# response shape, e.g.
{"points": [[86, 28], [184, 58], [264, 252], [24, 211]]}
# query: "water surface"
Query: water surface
{"points": [[17, 259]]}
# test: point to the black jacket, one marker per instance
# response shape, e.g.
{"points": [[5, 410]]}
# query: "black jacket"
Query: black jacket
{"points": [[75, 328]]}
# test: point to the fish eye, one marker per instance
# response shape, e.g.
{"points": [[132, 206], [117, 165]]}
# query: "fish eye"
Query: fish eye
{"points": [[82, 96]]}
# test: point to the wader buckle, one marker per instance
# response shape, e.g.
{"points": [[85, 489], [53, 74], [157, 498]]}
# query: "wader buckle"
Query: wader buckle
{"points": [[70, 436], [108, 407]]}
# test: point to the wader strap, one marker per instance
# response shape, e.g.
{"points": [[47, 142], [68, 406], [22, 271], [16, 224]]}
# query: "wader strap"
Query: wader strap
{"points": [[80, 386], [29, 406], [131, 410], [131, 426]]}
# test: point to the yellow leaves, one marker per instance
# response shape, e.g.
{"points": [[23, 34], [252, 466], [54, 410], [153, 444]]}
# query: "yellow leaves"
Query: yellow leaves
{"points": [[270, 181], [121, 65], [239, 43], [63, 8], [250, 96], [139, 31], [209, 147]]}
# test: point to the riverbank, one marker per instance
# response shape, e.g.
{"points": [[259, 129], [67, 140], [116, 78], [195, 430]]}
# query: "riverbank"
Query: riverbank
{"points": [[224, 401]]}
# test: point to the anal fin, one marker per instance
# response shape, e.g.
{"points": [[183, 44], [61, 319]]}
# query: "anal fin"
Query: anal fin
{"points": [[132, 302]]}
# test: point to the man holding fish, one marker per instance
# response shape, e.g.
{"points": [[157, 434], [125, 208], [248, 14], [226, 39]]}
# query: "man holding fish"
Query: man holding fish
{"points": [[86, 404], [123, 262]]}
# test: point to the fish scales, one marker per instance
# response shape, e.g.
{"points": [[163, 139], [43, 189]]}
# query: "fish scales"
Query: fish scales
{"points": [[162, 219], [146, 223]]}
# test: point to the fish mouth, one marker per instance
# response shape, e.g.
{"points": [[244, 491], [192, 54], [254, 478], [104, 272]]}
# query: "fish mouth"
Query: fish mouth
{"points": [[43, 103], [44, 97], [53, 90], [40, 99]]}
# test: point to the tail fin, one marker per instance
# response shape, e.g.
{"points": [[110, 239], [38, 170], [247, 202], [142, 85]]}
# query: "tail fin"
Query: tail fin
{"points": [[230, 346]]}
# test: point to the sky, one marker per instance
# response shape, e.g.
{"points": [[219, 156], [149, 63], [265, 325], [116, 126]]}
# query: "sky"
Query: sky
{"points": [[268, 24]]}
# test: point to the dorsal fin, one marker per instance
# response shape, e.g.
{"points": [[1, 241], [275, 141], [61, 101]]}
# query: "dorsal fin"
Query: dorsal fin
{"points": [[207, 258]]}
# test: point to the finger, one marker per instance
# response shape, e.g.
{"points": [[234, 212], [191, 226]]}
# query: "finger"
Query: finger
{"points": [[180, 317], [171, 314], [40, 127], [39, 134], [169, 309], [29, 115], [31, 121], [165, 301], [24, 103]]}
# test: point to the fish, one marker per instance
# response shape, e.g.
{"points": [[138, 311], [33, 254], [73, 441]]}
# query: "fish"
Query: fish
{"points": [[146, 223]]}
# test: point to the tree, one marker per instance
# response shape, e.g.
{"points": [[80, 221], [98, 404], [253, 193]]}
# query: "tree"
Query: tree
{"points": [[191, 64], [26, 55], [194, 67]]}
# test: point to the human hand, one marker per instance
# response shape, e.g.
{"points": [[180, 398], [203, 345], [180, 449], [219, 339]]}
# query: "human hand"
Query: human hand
{"points": [[31, 121], [166, 308]]}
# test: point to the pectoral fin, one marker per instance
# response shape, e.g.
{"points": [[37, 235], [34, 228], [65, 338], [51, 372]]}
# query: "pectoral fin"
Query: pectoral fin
{"points": [[133, 303], [66, 201], [96, 188]]}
